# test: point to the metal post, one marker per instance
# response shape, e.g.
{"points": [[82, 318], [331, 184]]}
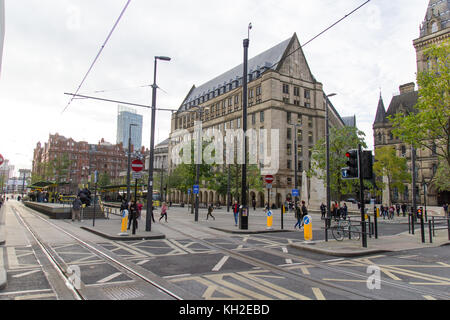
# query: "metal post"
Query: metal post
{"points": [[414, 194], [434, 230], [228, 189], [95, 197], [375, 219], [425, 187], [244, 226], [282, 214], [295, 166], [422, 227], [327, 136], [148, 218], [129, 164], [197, 166], [326, 229], [430, 231], [361, 197]]}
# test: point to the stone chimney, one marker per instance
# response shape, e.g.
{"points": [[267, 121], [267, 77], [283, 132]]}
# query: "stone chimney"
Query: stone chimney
{"points": [[409, 87]]}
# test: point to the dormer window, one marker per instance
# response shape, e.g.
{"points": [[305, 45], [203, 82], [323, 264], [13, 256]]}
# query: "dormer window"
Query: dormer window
{"points": [[434, 27]]}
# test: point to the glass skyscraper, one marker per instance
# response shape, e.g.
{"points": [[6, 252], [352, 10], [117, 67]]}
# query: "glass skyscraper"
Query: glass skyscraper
{"points": [[125, 117]]}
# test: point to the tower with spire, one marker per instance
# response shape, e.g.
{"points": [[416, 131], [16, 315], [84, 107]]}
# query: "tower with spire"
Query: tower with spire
{"points": [[435, 29]]}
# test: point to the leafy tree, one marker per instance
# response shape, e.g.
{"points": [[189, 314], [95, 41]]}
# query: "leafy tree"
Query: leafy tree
{"points": [[341, 140], [394, 168], [104, 179], [428, 127]]}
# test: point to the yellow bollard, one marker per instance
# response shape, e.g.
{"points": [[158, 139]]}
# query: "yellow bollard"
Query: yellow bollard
{"points": [[269, 220], [307, 228], [124, 226]]}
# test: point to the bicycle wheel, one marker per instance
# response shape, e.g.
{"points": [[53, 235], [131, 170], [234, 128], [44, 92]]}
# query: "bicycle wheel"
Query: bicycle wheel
{"points": [[355, 231], [338, 233]]}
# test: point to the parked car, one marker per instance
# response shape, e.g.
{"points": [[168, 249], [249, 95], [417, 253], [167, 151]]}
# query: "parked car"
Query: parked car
{"points": [[351, 200]]}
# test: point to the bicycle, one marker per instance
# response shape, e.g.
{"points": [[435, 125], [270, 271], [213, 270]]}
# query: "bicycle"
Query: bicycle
{"points": [[343, 229]]}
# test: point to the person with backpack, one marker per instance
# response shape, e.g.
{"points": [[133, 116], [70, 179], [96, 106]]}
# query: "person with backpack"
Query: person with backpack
{"points": [[133, 216], [163, 211]]}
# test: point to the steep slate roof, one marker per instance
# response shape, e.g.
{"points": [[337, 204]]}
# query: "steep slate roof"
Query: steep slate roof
{"points": [[349, 121], [403, 102], [267, 60], [381, 112]]}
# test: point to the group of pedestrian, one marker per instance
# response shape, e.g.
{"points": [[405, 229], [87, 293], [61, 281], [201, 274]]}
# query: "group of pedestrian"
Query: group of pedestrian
{"points": [[337, 212]]}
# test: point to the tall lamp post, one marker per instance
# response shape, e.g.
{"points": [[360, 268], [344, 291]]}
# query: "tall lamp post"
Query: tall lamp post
{"points": [[327, 130], [129, 162], [148, 219], [243, 214]]}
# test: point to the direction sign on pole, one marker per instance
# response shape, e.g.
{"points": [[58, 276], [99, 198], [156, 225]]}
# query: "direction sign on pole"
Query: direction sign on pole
{"points": [[137, 165], [295, 192], [269, 186], [196, 189], [137, 175]]}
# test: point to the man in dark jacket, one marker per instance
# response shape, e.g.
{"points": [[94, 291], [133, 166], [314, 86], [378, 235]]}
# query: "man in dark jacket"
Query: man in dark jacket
{"points": [[76, 207]]}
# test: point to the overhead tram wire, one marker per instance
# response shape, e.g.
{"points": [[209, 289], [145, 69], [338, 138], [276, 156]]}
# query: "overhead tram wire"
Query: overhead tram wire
{"points": [[98, 54], [318, 35]]}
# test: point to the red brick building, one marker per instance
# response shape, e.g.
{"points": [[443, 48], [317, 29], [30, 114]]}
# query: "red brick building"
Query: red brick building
{"points": [[66, 160]]}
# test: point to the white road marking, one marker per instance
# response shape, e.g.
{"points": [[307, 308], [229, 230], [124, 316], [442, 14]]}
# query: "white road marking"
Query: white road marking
{"points": [[333, 260], [285, 250], [221, 263], [140, 263], [12, 257], [25, 274], [177, 276], [318, 293], [109, 278]]}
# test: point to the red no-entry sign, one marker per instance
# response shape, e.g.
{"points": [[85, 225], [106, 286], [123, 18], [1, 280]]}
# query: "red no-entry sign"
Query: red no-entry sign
{"points": [[268, 179], [137, 166], [1, 160]]}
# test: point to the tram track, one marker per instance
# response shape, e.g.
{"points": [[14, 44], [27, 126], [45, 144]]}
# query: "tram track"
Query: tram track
{"points": [[318, 264], [110, 258]]}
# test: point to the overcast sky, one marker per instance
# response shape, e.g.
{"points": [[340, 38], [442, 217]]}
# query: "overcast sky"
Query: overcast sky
{"points": [[50, 44]]}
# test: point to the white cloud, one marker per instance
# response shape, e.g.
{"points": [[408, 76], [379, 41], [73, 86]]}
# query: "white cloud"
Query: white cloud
{"points": [[50, 44]]}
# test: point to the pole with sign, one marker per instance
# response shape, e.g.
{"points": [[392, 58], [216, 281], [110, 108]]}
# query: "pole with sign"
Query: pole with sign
{"points": [[268, 179], [269, 220]]}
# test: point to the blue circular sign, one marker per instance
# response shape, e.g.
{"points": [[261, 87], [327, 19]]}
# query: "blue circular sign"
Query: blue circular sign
{"points": [[269, 213], [306, 220]]}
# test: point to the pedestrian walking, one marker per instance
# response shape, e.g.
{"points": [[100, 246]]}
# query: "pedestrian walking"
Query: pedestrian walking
{"points": [[344, 211], [254, 204], [76, 207], [323, 210], [236, 212], [404, 209], [397, 207], [139, 209], [446, 209], [304, 211], [133, 216], [391, 213], [163, 211], [210, 210], [298, 216]]}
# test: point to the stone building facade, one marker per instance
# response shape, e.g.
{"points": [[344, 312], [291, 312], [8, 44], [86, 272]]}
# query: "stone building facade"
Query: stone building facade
{"points": [[282, 93], [434, 30]]}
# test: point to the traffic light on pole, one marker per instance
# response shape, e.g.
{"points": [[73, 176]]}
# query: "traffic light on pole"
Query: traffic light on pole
{"points": [[352, 170]]}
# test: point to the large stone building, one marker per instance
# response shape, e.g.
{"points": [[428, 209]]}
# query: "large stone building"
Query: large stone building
{"points": [[83, 159], [434, 30], [282, 93]]}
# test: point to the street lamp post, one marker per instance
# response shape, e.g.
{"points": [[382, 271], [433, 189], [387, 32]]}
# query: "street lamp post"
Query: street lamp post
{"points": [[129, 162], [327, 130], [243, 219], [148, 220]]}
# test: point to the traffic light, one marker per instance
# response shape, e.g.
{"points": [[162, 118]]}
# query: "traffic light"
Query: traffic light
{"points": [[367, 165], [352, 170]]}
